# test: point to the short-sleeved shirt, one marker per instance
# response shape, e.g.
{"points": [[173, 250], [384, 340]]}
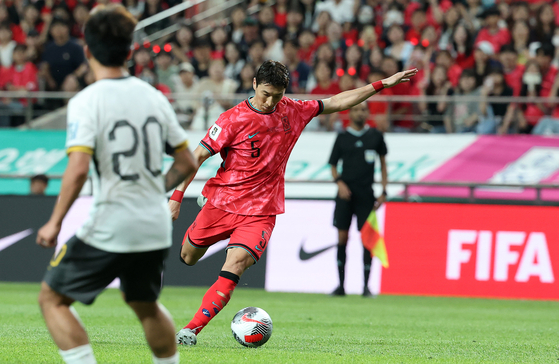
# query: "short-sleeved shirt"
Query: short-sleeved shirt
{"points": [[127, 126], [358, 151], [63, 60], [255, 147]]}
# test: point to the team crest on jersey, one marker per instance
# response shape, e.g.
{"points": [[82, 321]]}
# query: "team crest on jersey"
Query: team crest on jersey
{"points": [[215, 130], [286, 124]]}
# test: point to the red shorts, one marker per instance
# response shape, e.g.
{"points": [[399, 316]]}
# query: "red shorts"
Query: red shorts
{"points": [[251, 233]]}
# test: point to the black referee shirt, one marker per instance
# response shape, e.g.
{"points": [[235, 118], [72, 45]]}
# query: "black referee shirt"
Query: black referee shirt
{"points": [[358, 151]]}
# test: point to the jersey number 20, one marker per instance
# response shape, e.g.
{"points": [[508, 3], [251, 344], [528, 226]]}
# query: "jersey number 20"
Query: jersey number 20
{"points": [[132, 151]]}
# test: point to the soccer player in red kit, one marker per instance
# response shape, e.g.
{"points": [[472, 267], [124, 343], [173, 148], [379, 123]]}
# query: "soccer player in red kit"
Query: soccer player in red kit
{"points": [[254, 139]]}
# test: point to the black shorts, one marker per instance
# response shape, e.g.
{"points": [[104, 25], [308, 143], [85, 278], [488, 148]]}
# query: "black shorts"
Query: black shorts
{"points": [[82, 272], [361, 204]]}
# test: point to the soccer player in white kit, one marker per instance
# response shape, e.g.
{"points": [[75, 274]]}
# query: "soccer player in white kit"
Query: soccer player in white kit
{"points": [[123, 126]]}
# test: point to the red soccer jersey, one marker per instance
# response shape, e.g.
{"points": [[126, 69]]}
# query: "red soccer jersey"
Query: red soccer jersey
{"points": [[255, 147]]}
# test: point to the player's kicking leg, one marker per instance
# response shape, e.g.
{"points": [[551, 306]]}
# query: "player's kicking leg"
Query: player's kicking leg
{"points": [[218, 295], [248, 241]]}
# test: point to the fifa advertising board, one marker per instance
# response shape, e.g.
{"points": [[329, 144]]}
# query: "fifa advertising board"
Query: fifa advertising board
{"points": [[463, 250], [472, 250]]}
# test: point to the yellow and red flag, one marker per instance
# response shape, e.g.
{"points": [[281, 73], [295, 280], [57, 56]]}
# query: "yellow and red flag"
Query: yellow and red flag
{"points": [[372, 239]]}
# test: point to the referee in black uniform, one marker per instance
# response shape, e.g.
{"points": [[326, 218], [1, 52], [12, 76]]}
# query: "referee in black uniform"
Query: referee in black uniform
{"points": [[357, 147]]}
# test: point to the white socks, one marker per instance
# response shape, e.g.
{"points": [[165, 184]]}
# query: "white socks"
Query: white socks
{"points": [[170, 360], [79, 355]]}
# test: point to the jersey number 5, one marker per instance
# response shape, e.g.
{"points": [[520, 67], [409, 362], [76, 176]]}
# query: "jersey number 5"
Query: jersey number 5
{"points": [[255, 149], [132, 151]]}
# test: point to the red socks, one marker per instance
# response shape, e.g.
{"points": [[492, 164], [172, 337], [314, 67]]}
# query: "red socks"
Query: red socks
{"points": [[213, 302]]}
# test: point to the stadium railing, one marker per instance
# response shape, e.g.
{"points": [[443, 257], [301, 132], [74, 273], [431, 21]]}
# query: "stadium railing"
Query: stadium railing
{"points": [[37, 102], [407, 185], [141, 36]]}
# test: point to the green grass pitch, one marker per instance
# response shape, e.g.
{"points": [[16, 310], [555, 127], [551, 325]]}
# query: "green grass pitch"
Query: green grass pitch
{"points": [[307, 329]]}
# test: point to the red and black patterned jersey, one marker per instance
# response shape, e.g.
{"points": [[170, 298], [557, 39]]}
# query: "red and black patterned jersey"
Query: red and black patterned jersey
{"points": [[255, 147]]}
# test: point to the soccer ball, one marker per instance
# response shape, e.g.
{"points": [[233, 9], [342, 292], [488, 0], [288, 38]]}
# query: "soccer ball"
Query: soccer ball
{"points": [[252, 327]]}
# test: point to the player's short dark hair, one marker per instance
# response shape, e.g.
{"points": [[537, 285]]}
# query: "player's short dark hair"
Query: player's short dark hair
{"points": [[273, 73], [40, 177], [108, 34]]}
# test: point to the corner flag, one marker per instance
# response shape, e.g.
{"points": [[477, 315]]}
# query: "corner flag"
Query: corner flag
{"points": [[373, 241]]}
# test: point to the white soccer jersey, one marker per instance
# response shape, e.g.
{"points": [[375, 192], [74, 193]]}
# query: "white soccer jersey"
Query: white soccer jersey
{"points": [[126, 125]]}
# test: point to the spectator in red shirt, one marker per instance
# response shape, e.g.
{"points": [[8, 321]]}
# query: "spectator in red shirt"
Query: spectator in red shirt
{"points": [[544, 57], [21, 76], [512, 70], [353, 62], [418, 22], [491, 32], [326, 53], [378, 109], [307, 49], [17, 33], [182, 43], [325, 85], [463, 45], [323, 20], [81, 13], [280, 17], [218, 38], [31, 19], [444, 59], [399, 110], [346, 83], [528, 114]]}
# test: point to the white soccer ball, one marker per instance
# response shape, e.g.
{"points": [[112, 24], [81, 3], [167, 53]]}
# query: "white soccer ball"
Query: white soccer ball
{"points": [[252, 327]]}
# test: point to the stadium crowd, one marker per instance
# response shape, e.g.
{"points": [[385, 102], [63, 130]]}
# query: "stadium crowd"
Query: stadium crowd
{"points": [[472, 48]]}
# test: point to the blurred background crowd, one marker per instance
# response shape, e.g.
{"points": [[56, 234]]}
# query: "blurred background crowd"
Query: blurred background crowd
{"points": [[466, 51]]}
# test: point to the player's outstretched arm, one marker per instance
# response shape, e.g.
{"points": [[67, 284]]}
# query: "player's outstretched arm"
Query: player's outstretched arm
{"points": [[72, 183], [200, 155], [348, 99]]}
